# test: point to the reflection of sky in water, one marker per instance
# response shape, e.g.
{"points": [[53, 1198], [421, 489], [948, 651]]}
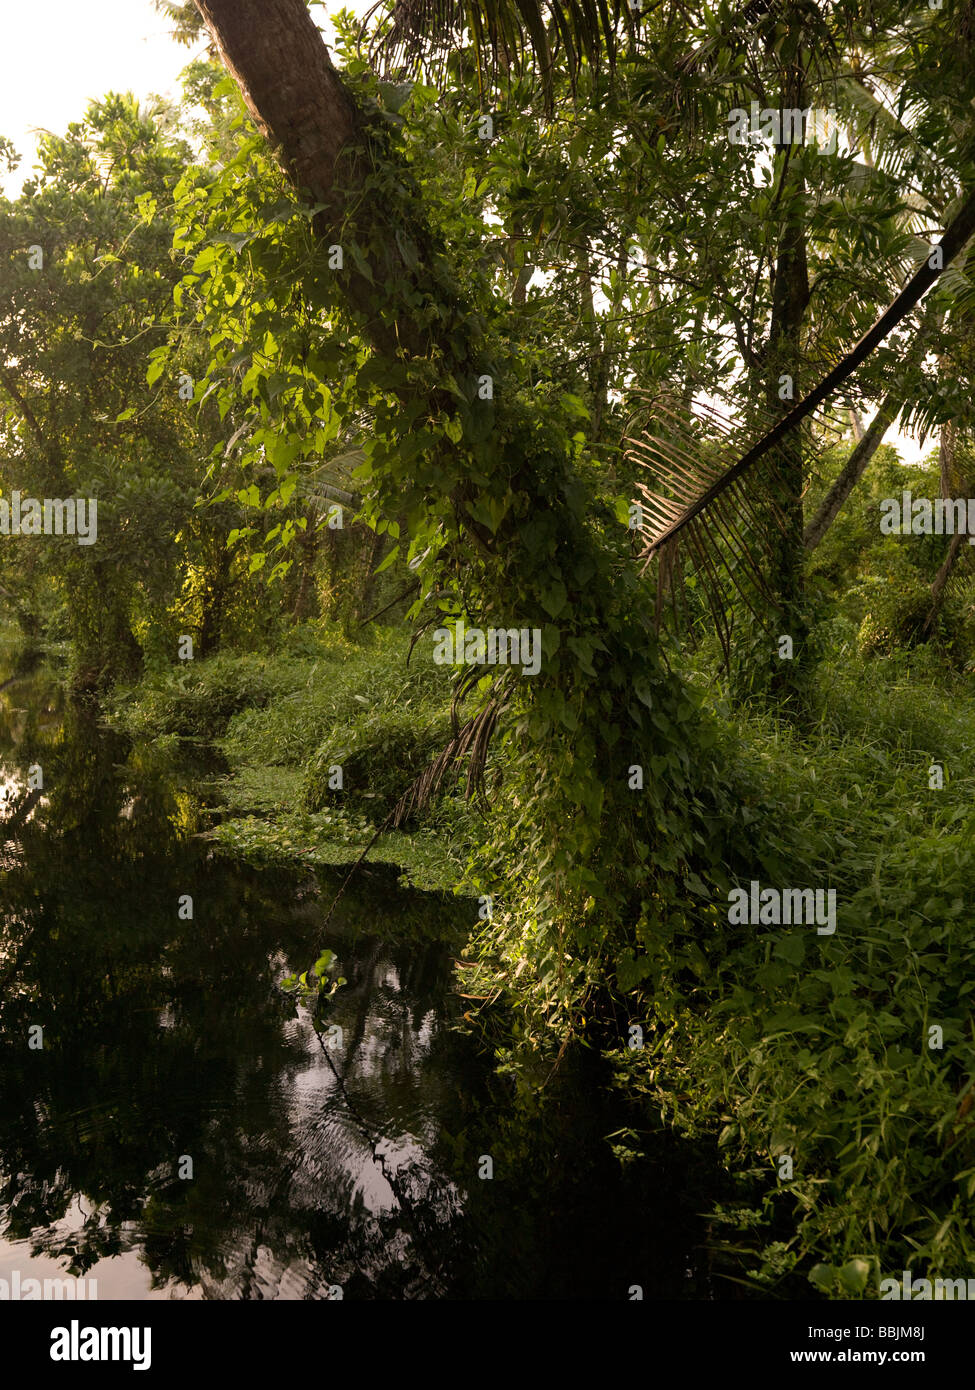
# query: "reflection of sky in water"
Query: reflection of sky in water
{"points": [[121, 1276], [368, 1117], [360, 1120], [11, 785], [340, 1136], [13, 788], [358, 1124], [314, 1167]]}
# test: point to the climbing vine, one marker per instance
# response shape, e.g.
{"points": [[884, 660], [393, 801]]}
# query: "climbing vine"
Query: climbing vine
{"points": [[603, 838]]}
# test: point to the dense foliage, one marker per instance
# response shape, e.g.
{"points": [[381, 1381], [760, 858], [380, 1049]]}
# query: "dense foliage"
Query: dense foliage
{"points": [[308, 506]]}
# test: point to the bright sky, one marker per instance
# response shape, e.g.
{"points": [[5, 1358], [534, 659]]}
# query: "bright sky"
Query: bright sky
{"points": [[60, 55]]}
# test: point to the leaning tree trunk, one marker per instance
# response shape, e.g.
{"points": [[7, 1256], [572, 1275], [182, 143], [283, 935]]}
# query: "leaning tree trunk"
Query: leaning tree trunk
{"points": [[604, 857], [790, 296], [329, 148], [854, 469], [521, 528], [867, 444]]}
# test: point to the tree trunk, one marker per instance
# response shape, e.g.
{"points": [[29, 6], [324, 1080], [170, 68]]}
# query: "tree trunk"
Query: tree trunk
{"points": [[308, 543], [784, 470], [281, 64], [600, 698], [867, 444], [939, 582], [327, 146], [214, 600], [374, 556], [854, 469], [951, 485]]}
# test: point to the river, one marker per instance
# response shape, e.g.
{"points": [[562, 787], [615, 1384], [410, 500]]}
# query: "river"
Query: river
{"points": [[174, 1125]]}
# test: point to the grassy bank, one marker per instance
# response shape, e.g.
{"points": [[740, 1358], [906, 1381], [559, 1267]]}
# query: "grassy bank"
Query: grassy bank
{"points": [[316, 744], [831, 1073]]}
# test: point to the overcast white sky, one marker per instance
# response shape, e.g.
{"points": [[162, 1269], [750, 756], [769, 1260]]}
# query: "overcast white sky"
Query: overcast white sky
{"points": [[59, 55]]}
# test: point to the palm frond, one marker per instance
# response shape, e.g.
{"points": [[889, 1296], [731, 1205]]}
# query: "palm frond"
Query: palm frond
{"points": [[897, 150], [428, 32], [698, 495], [470, 740], [188, 27], [330, 481], [688, 453]]}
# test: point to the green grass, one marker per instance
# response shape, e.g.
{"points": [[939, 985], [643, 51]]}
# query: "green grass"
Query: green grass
{"points": [[282, 722]]}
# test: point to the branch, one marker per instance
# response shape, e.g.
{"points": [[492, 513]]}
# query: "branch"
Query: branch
{"points": [[23, 405]]}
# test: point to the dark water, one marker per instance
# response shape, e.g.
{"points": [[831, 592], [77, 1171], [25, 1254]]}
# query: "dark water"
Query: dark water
{"points": [[185, 1131]]}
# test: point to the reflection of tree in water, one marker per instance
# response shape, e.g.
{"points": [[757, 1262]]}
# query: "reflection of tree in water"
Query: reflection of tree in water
{"points": [[166, 1038], [31, 706], [311, 1167]]}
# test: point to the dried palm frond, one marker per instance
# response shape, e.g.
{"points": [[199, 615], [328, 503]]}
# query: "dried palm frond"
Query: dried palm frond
{"points": [[470, 740], [473, 739], [687, 451], [699, 495]]}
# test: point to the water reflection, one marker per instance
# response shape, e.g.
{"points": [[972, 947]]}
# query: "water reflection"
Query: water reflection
{"points": [[167, 1050], [186, 1131]]}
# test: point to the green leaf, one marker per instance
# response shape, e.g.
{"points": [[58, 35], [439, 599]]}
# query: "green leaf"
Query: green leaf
{"points": [[791, 948], [394, 94], [407, 250], [390, 559], [642, 692], [854, 1275], [363, 266], [554, 599], [822, 1276], [323, 962]]}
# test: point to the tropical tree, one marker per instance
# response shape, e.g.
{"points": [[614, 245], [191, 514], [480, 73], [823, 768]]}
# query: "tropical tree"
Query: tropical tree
{"points": [[489, 485]]}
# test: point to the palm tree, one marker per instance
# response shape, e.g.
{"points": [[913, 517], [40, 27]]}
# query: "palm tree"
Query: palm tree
{"points": [[296, 95]]}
